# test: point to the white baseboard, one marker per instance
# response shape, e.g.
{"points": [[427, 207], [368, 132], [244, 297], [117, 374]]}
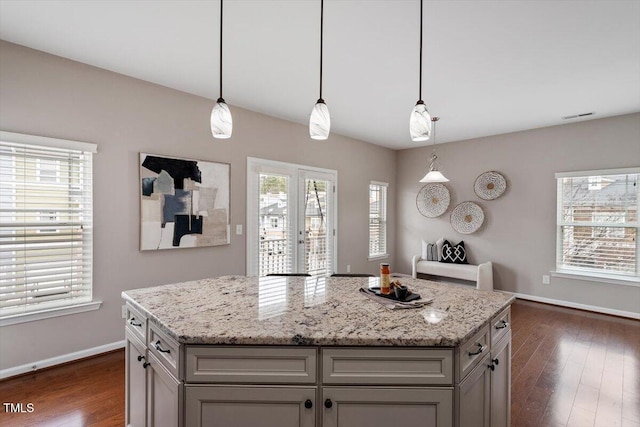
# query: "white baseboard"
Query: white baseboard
{"points": [[603, 310], [30, 367]]}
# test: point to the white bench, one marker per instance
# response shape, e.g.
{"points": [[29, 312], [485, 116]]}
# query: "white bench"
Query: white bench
{"points": [[481, 274]]}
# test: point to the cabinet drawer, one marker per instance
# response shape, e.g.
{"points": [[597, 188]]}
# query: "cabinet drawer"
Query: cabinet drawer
{"points": [[254, 365], [500, 325], [165, 348], [387, 366], [471, 352], [137, 323]]}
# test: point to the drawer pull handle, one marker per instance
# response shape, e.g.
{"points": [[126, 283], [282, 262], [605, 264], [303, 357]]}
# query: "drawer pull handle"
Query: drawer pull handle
{"points": [[160, 348], [308, 404], [145, 364], [503, 325], [328, 403], [132, 322], [140, 358], [481, 348]]}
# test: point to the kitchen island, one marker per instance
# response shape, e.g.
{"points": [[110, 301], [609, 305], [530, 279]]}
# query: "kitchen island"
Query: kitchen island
{"points": [[295, 351]]}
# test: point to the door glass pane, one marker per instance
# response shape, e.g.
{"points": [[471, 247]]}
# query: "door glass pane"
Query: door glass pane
{"points": [[276, 243], [317, 231]]}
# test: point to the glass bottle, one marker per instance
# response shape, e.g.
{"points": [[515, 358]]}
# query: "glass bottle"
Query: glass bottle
{"points": [[385, 279]]}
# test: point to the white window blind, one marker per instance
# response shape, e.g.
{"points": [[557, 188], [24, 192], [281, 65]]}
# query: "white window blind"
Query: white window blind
{"points": [[377, 219], [598, 222], [45, 223]]}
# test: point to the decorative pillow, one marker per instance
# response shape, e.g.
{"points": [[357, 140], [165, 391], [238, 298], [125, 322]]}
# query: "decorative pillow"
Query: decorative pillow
{"points": [[424, 250], [432, 252], [439, 244], [454, 254]]}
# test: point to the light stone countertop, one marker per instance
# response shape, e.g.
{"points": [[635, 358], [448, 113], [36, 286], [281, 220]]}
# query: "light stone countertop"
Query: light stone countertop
{"points": [[311, 311]]}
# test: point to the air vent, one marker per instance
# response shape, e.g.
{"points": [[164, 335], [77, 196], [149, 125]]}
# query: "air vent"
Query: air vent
{"points": [[575, 116]]}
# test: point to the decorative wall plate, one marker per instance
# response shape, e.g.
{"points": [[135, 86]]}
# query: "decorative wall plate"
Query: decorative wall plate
{"points": [[490, 185], [433, 200], [467, 217]]}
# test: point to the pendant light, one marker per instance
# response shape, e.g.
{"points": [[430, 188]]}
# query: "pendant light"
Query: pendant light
{"points": [[434, 175], [420, 120], [320, 121], [221, 122]]}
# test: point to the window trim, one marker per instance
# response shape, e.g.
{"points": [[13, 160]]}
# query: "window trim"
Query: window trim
{"points": [[586, 274], [379, 256], [62, 308]]}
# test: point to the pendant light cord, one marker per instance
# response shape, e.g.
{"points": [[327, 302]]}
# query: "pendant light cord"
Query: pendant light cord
{"points": [[321, 39], [221, 2], [420, 79]]}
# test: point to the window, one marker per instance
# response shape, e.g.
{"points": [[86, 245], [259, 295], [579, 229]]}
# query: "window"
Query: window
{"points": [[598, 224], [378, 219], [46, 226]]}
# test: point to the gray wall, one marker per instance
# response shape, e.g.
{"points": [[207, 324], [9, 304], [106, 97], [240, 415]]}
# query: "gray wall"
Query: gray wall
{"points": [[41, 94], [519, 234]]}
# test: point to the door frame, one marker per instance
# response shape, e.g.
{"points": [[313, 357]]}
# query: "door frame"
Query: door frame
{"points": [[255, 166]]}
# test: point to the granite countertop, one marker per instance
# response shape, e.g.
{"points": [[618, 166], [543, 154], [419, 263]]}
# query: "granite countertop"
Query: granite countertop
{"points": [[242, 310]]}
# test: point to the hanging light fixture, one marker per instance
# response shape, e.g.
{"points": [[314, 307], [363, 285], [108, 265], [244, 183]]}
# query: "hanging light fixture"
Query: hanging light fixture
{"points": [[420, 120], [434, 175], [320, 121], [221, 121]]}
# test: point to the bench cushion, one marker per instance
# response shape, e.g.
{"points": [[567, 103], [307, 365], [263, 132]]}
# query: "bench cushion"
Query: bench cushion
{"points": [[456, 271]]}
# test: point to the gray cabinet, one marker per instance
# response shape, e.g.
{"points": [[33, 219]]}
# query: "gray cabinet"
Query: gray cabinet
{"points": [[135, 383], [163, 396], [243, 406], [501, 383], [386, 406]]}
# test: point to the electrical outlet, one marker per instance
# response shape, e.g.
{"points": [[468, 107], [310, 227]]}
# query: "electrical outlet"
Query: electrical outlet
{"points": [[239, 230], [545, 279], [124, 311], [348, 268]]}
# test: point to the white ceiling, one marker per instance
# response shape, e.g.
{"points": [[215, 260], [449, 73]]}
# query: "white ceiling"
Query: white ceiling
{"points": [[490, 67]]}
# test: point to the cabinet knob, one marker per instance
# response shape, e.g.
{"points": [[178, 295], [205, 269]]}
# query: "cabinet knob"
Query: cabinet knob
{"points": [[492, 367], [328, 403], [308, 404], [145, 364], [140, 358], [481, 348], [496, 361]]}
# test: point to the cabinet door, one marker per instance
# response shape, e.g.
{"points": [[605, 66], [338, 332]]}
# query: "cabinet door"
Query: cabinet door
{"points": [[474, 397], [501, 383], [163, 396], [219, 406], [135, 383], [383, 407]]}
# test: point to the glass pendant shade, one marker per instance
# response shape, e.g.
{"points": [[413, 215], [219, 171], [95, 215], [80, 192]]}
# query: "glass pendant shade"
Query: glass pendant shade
{"points": [[420, 123], [434, 176], [320, 121], [221, 122]]}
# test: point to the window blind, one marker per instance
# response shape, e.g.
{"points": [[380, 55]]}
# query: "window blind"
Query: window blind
{"points": [[598, 222], [377, 219], [45, 225]]}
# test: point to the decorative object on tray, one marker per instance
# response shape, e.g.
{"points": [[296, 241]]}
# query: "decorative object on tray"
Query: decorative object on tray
{"points": [[391, 302], [433, 200], [454, 254], [467, 218], [183, 203], [490, 185]]}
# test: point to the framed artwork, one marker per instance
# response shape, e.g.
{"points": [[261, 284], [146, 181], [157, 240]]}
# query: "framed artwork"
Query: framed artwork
{"points": [[183, 203]]}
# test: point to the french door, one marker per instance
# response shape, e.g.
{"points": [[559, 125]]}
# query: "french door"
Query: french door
{"points": [[291, 212]]}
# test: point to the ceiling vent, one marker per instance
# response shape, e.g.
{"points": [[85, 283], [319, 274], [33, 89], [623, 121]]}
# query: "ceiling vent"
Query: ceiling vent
{"points": [[575, 116]]}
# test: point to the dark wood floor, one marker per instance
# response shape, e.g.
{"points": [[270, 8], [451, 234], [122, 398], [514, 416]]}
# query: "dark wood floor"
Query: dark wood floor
{"points": [[569, 368]]}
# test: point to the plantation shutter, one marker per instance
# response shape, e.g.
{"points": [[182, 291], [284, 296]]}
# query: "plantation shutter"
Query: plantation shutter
{"points": [[598, 221], [45, 223], [377, 219]]}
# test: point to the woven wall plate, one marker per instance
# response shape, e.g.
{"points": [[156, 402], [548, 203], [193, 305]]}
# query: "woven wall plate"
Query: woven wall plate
{"points": [[490, 185], [433, 200], [467, 217]]}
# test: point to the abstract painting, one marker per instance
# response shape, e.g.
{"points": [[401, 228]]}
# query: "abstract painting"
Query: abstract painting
{"points": [[183, 203]]}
